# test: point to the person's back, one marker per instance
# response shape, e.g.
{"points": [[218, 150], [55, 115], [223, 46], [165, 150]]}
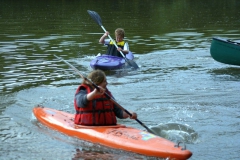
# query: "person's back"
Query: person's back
{"points": [[99, 111]]}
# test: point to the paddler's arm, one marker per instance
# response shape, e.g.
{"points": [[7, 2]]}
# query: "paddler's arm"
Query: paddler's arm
{"points": [[95, 92], [123, 115], [125, 49], [102, 39], [82, 97], [134, 115]]}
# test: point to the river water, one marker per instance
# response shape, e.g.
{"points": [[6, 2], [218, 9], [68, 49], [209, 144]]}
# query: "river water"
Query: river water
{"points": [[178, 81]]}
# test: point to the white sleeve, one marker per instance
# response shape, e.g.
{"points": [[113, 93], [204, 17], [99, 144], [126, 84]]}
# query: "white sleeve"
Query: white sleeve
{"points": [[106, 41], [126, 47]]}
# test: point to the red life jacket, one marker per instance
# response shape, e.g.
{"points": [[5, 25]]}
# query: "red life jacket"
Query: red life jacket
{"points": [[99, 111]]}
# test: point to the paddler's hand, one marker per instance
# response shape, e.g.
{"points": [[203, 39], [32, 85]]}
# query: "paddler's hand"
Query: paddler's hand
{"points": [[134, 115], [123, 51], [99, 91], [95, 92], [106, 34], [102, 39], [119, 49]]}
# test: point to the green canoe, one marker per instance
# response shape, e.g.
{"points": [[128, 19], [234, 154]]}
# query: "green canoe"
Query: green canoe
{"points": [[225, 51]]}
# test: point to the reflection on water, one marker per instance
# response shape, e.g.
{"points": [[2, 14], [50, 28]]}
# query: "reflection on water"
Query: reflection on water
{"points": [[178, 81], [232, 72], [95, 155]]}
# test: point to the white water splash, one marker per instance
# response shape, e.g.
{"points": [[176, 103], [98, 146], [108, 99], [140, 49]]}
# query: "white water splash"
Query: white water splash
{"points": [[176, 132]]}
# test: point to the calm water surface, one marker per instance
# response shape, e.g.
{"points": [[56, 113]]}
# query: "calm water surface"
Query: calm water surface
{"points": [[178, 81]]}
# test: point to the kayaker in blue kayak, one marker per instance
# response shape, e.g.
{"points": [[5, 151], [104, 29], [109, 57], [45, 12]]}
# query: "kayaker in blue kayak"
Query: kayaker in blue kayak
{"points": [[93, 107], [122, 45]]}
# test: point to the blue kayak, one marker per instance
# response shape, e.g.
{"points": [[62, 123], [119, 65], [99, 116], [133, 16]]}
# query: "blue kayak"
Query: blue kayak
{"points": [[108, 62]]}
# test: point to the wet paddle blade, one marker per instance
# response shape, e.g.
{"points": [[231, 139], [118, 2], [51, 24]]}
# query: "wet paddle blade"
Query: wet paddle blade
{"points": [[132, 63], [95, 16]]}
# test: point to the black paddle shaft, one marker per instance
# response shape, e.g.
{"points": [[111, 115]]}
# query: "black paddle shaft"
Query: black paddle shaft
{"points": [[117, 104], [95, 16], [107, 95]]}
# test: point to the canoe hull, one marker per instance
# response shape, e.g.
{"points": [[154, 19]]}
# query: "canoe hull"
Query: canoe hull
{"points": [[225, 51], [118, 137]]}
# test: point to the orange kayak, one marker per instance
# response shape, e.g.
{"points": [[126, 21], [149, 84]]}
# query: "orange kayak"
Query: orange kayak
{"points": [[118, 137]]}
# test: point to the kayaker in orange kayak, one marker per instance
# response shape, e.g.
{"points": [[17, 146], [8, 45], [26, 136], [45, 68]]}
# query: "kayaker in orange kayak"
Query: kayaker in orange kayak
{"points": [[93, 107], [122, 45]]}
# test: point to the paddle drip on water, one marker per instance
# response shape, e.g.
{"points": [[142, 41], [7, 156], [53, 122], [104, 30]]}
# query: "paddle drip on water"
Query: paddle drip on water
{"points": [[176, 132]]}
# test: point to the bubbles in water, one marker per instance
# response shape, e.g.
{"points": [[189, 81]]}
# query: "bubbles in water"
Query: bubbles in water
{"points": [[176, 132]]}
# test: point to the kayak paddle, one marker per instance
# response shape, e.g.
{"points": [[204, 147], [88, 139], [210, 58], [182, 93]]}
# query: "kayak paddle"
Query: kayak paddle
{"points": [[95, 16], [107, 95]]}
